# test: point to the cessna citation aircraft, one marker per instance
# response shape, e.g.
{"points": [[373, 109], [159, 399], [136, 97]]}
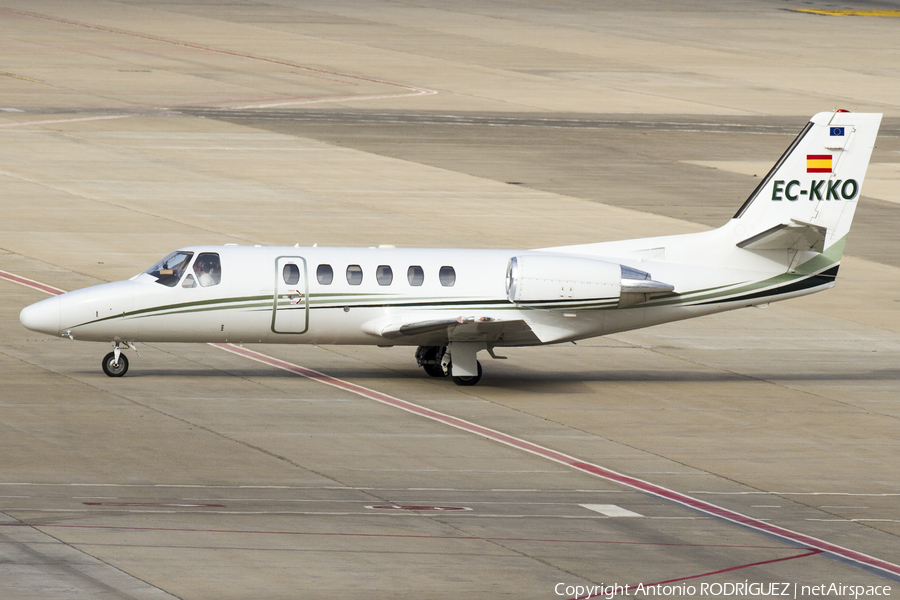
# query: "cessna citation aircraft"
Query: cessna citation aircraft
{"points": [[785, 241]]}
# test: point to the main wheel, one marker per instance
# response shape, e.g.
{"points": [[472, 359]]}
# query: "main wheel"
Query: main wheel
{"points": [[113, 369], [471, 380], [430, 361], [434, 370]]}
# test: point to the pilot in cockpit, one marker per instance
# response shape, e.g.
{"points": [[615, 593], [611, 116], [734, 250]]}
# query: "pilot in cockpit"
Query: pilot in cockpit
{"points": [[208, 269]]}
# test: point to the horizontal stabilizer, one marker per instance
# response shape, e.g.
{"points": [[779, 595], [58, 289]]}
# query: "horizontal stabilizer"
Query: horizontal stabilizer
{"points": [[795, 235]]}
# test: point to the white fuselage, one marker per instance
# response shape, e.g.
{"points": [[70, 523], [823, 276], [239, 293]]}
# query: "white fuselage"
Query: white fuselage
{"points": [[253, 302]]}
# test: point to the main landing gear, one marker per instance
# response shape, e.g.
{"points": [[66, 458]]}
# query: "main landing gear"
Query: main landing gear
{"points": [[115, 364], [436, 362]]}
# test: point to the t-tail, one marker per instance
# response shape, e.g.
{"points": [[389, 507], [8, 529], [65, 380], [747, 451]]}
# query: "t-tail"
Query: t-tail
{"points": [[800, 213], [785, 241]]}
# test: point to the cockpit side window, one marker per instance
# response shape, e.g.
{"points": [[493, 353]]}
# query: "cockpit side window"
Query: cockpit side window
{"points": [[169, 270], [208, 269]]}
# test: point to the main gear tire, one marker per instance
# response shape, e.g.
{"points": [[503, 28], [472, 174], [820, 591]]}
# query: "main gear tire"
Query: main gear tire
{"points": [[469, 380], [431, 361]]}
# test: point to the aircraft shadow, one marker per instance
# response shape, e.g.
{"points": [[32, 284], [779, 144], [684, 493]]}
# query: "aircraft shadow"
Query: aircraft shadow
{"points": [[528, 380]]}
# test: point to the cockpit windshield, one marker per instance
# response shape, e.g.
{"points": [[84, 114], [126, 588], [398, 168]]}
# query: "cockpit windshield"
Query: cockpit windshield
{"points": [[169, 270]]}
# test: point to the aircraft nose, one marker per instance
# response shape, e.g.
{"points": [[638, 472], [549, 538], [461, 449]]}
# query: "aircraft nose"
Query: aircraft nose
{"points": [[42, 316]]}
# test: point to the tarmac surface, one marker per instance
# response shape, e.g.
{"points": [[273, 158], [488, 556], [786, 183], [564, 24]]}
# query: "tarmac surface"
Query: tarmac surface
{"points": [[133, 128]]}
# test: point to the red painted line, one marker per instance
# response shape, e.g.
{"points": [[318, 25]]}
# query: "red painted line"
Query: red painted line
{"points": [[417, 90], [762, 562], [388, 535], [585, 467], [36, 285]]}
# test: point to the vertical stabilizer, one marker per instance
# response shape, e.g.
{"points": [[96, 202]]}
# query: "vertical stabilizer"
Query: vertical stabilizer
{"points": [[806, 202]]}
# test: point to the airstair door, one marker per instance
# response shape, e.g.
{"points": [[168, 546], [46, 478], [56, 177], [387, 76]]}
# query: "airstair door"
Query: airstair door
{"points": [[290, 307]]}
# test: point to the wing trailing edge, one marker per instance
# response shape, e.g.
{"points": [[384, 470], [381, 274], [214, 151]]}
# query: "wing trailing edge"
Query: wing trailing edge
{"points": [[460, 329]]}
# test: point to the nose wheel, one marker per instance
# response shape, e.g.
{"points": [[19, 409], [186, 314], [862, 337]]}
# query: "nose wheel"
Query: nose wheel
{"points": [[115, 364]]}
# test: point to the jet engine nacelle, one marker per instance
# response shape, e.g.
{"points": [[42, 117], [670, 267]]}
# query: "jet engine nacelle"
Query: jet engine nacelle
{"points": [[548, 278]]}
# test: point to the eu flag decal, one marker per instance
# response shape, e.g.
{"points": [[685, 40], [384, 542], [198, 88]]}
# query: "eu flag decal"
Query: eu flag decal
{"points": [[836, 131]]}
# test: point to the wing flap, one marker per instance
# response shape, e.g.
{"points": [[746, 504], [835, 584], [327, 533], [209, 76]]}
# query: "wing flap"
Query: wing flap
{"points": [[461, 329]]}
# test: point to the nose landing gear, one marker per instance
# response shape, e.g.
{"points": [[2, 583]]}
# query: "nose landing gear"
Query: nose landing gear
{"points": [[113, 367], [115, 364]]}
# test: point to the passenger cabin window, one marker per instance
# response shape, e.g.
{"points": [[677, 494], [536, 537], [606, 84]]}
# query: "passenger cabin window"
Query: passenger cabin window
{"points": [[208, 269], [291, 274], [324, 274], [384, 275], [354, 275], [415, 275], [447, 276], [169, 270]]}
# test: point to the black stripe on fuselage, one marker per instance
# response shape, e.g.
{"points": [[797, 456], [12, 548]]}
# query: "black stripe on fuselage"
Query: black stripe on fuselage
{"points": [[817, 280]]}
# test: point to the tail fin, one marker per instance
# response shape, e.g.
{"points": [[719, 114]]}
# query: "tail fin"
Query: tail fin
{"points": [[807, 201]]}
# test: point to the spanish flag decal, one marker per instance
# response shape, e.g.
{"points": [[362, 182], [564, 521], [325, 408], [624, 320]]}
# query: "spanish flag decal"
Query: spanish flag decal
{"points": [[818, 163]]}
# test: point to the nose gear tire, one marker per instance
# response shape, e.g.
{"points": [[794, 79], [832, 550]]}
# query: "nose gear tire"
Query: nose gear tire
{"points": [[111, 368]]}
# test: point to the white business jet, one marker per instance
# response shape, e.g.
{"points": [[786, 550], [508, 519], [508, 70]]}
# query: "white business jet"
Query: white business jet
{"points": [[785, 241]]}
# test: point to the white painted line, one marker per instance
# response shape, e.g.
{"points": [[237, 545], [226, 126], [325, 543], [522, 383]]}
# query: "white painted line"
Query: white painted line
{"points": [[415, 91], [418, 92], [611, 510], [855, 520], [35, 285], [65, 120]]}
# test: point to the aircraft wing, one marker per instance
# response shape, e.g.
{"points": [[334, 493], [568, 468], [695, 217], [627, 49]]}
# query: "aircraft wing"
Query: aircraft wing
{"points": [[490, 330]]}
